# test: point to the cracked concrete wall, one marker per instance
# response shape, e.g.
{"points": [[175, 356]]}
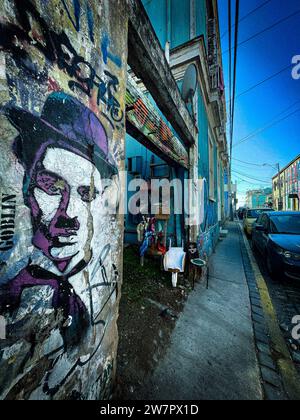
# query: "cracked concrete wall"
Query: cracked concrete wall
{"points": [[62, 127]]}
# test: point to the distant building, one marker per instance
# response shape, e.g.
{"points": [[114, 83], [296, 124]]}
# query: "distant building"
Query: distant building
{"points": [[286, 193], [270, 200], [257, 199]]}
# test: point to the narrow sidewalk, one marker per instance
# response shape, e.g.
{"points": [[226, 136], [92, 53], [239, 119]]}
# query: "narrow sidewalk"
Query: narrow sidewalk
{"points": [[212, 355]]}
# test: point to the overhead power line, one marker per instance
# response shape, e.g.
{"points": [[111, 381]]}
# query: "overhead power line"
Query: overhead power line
{"points": [[252, 178], [247, 182], [258, 168], [274, 122], [267, 29], [264, 81], [236, 36], [230, 71], [249, 163], [269, 126], [247, 15]]}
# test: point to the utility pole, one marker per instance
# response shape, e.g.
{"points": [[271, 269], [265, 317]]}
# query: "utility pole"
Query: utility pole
{"points": [[277, 167], [231, 200], [280, 205]]}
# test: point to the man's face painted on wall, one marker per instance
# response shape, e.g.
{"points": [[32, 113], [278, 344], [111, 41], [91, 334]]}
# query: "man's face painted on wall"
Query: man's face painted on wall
{"points": [[64, 195]]}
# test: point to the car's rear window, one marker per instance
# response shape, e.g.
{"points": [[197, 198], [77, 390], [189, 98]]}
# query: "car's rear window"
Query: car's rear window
{"points": [[254, 214], [288, 224]]}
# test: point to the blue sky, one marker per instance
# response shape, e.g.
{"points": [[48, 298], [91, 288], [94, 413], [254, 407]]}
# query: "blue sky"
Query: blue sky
{"points": [[258, 59]]}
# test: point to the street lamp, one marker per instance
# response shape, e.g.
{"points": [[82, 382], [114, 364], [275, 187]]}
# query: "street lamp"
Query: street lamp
{"points": [[277, 167]]}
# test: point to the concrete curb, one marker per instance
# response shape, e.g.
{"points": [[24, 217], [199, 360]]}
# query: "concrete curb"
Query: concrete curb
{"points": [[279, 376]]}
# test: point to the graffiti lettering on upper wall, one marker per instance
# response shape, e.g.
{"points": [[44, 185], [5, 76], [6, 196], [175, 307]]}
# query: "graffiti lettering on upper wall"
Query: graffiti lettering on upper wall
{"points": [[75, 19], [58, 49], [75, 15], [7, 222], [106, 53]]}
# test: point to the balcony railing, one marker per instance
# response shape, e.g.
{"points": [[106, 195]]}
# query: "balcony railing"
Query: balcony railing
{"points": [[216, 72]]}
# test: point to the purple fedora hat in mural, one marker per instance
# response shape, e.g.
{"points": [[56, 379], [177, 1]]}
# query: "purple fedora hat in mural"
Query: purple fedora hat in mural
{"points": [[64, 123]]}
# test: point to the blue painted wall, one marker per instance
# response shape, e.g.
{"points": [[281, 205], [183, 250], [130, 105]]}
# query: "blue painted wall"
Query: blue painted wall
{"points": [[226, 194], [203, 139], [180, 22], [176, 222], [201, 18], [173, 23], [216, 172], [135, 149], [260, 200], [158, 14], [210, 230]]}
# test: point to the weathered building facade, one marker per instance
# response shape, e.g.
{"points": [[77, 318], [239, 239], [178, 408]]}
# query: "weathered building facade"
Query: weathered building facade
{"points": [[62, 97], [286, 194], [257, 199], [188, 33]]}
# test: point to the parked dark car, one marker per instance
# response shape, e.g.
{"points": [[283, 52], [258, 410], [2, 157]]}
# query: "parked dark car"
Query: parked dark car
{"points": [[276, 236], [250, 218], [241, 212]]}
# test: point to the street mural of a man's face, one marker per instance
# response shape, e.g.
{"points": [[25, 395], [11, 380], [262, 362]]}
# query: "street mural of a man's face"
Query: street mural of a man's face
{"points": [[66, 204], [68, 171], [62, 116], [65, 207]]}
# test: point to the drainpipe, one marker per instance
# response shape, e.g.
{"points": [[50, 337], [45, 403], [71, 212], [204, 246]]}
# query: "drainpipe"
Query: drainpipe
{"points": [[280, 189], [169, 29], [193, 30], [177, 217]]}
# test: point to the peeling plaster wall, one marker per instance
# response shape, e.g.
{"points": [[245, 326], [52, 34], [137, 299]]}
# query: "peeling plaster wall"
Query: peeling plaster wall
{"points": [[62, 105]]}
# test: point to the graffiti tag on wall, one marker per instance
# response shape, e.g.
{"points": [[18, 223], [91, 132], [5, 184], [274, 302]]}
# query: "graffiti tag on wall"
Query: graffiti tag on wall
{"points": [[58, 49], [7, 222]]}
